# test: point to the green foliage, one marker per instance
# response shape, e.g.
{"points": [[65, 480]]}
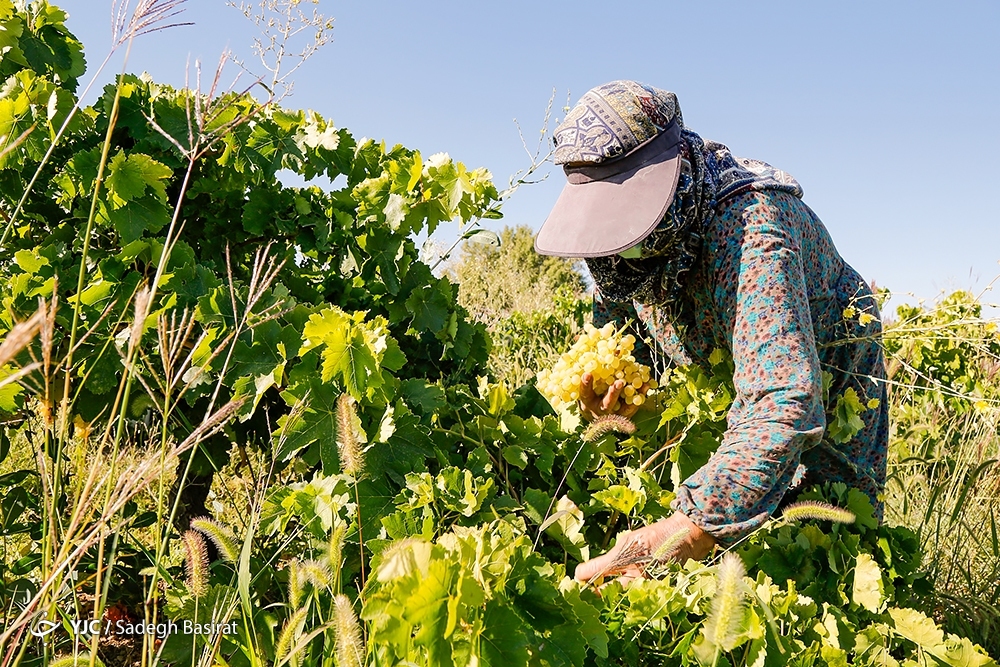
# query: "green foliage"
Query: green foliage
{"points": [[482, 591], [280, 297], [943, 471], [497, 281], [478, 499], [532, 304], [478, 593], [527, 341]]}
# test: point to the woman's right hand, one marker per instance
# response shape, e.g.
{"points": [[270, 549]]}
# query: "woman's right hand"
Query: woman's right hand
{"points": [[593, 406]]}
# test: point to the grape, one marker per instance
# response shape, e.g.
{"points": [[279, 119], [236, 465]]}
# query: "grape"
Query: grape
{"points": [[606, 354]]}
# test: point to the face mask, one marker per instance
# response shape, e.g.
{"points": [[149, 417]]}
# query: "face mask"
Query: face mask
{"points": [[635, 252], [623, 280]]}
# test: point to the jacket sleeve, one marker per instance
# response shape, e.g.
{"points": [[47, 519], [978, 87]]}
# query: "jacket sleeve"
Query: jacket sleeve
{"points": [[777, 412]]}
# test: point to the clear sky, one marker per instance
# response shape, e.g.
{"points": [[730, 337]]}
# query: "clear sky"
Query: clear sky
{"points": [[886, 112]]}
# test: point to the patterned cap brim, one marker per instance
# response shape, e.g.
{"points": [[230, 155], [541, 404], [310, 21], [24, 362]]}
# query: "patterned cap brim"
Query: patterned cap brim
{"points": [[608, 208]]}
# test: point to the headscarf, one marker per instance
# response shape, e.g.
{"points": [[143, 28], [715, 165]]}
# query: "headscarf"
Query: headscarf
{"points": [[710, 174]]}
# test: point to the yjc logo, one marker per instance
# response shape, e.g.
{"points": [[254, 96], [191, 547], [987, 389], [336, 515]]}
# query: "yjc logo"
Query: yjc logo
{"points": [[43, 627]]}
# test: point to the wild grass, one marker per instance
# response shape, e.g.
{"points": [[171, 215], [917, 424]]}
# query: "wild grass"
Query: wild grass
{"points": [[944, 483], [89, 474]]}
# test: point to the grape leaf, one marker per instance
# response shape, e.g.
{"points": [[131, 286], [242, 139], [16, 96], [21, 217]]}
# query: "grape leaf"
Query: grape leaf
{"points": [[424, 397], [429, 308], [861, 505], [586, 607], [917, 627], [620, 498], [426, 607], [317, 421], [129, 176], [868, 588], [136, 217], [502, 643]]}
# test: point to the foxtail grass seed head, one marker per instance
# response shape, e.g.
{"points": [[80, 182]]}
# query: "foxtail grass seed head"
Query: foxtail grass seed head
{"points": [[335, 547], [812, 509], [724, 624], [666, 550], [296, 583], [289, 633], [79, 660], [221, 537], [316, 573], [352, 459], [196, 559], [607, 424], [350, 645]]}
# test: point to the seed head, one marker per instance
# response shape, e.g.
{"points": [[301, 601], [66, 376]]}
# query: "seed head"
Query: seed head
{"points": [[292, 629], [607, 424], [812, 509], [352, 459], [722, 629], [196, 559], [221, 537], [350, 645]]}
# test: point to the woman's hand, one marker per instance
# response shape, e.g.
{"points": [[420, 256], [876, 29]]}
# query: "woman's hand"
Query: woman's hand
{"points": [[635, 548], [593, 406]]}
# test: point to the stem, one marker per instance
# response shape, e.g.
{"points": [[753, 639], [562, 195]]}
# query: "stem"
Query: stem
{"points": [[52, 534], [454, 245], [612, 522], [361, 541], [556, 494]]}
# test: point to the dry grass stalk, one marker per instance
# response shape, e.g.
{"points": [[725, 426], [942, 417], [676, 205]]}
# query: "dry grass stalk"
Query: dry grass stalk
{"points": [[141, 305], [282, 23], [212, 424], [147, 17], [8, 147], [20, 336], [101, 499]]}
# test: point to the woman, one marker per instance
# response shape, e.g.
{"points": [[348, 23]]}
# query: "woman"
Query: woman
{"points": [[704, 250]]}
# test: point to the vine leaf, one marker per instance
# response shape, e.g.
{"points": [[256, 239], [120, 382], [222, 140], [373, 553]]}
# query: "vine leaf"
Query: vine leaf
{"points": [[502, 642], [356, 351], [868, 587], [917, 627], [429, 308], [129, 176]]}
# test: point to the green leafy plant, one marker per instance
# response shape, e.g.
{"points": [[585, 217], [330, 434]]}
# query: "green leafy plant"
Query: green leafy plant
{"points": [[228, 401]]}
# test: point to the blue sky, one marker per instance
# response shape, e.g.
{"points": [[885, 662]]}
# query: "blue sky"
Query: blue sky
{"points": [[886, 112]]}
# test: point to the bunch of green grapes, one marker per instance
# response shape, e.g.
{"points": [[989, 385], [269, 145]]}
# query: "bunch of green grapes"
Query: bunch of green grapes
{"points": [[607, 355]]}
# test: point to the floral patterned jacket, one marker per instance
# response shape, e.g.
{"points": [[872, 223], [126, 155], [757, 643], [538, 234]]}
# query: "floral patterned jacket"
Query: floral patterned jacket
{"points": [[771, 288]]}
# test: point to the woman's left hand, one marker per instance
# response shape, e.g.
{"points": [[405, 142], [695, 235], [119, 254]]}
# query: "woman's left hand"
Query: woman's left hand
{"points": [[634, 548], [593, 406]]}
